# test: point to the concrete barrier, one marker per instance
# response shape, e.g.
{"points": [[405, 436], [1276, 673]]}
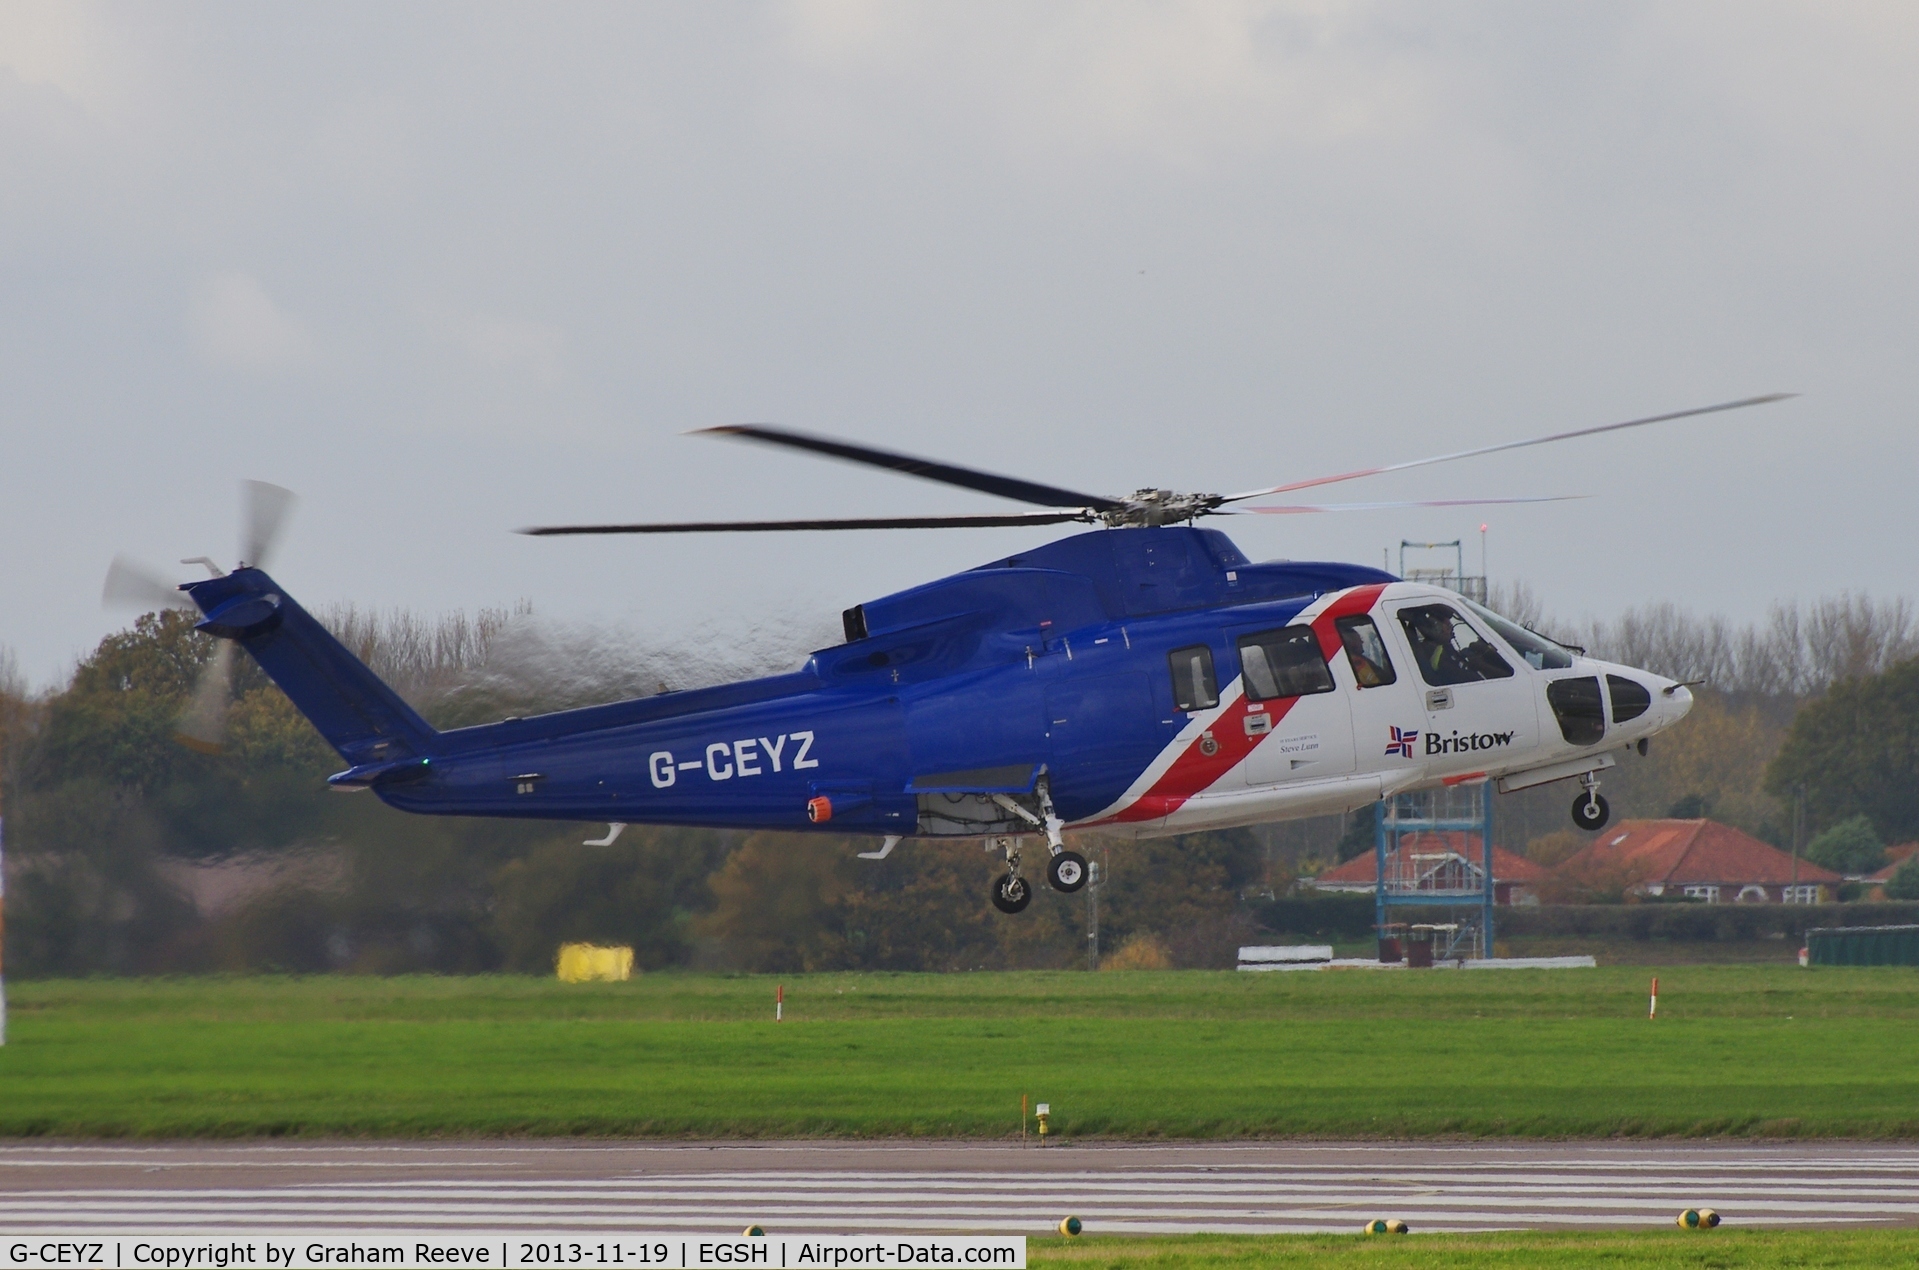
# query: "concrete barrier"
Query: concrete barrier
{"points": [[1285, 956]]}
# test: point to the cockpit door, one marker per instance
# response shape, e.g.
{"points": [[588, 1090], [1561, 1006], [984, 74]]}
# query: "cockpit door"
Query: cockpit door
{"points": [[1481, 710], [1381, 690]]}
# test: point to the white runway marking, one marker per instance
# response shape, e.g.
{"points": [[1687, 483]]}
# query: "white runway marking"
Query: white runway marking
{"points": [[848, 1188]]}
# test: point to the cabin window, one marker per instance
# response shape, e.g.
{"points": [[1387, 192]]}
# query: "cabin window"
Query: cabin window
{"points": [[1283, 663], [1365, 652], [1576, 704], [1448, 649], [1194, 687], [1629, 698]]}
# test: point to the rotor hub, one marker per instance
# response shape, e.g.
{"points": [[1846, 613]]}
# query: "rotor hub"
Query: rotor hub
{"points": [[1148, 508]]}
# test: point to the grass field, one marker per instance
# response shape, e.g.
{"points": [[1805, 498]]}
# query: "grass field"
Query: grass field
{"points": [[1673, 1248], [1736, 1050]]}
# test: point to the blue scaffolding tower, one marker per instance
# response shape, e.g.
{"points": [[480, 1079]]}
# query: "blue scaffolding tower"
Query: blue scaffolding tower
{"points": [[1430, 880]]}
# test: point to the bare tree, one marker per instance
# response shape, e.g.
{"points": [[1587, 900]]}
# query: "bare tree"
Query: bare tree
{"points": [[1518, 601], [421, 656], [1799, 650], [460, 669], [1851, 636], [1664, 638]]}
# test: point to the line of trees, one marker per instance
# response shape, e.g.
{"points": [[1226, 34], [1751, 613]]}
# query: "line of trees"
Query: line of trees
{"points": [[130, 853], [1796, 652], [125, 848]]}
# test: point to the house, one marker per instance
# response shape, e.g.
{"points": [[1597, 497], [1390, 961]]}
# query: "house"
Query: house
{"points": [[1705, 860], [1895, 856], [1445, 863]]}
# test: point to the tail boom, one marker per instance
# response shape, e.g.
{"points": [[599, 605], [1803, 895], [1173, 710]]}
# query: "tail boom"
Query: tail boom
{"points": [[363, 719], [748, 755]]}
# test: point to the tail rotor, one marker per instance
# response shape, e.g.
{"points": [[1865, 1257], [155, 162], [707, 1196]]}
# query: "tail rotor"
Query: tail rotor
{"points": [[202, 725], [267, 508], [131, 584]]}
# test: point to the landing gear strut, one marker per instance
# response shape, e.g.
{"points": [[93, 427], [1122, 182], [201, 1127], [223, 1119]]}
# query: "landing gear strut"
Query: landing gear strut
{"points": [[1066, 870], [1011, 893], [1590, 811]]}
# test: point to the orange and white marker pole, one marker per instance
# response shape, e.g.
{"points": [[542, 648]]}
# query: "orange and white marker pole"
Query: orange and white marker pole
{"points": [[1652, 1011], [779, 1003]]}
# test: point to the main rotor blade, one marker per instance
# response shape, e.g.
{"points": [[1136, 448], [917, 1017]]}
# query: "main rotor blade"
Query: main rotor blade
{"points": [[927, 469], [1301, 509], [1512, 445], [758, 526], [266, 512]]}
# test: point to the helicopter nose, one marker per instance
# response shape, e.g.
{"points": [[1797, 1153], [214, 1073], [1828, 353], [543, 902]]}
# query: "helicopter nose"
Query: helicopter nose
{"points": [[1677, 703]]}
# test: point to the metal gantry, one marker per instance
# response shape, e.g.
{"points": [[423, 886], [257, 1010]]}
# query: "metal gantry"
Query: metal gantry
{"points": [[1472, 586], [1411, 875]]}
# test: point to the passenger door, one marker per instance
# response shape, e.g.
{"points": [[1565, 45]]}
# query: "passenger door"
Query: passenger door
{"points": [[1291, 708]]}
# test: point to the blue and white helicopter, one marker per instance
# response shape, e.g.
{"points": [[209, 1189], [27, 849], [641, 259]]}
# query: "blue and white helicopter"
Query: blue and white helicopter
{"points": [[1143, 678]]}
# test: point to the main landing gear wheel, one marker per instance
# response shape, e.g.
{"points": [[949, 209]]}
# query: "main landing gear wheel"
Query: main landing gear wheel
{"points": [[1011, 894], [1590, 812], [1067, 871]]}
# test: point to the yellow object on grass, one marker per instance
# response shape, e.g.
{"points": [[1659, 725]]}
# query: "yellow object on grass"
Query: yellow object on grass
{"points": [[582, 963]]}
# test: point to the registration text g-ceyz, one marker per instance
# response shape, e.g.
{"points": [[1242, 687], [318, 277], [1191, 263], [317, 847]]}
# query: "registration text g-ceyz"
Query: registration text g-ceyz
{"points": [[748, 756], [58, 1254]]}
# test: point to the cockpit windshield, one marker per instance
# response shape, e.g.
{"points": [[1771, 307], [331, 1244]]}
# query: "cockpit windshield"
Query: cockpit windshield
{"points": [[1540, 653]]}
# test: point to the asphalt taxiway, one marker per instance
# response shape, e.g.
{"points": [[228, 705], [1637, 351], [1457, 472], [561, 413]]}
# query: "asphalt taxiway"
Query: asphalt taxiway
{"points": [[833, 1187]]}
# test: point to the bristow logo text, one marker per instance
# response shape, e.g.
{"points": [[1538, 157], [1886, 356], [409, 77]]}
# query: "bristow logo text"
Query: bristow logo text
{"points": [[1460, 744]]}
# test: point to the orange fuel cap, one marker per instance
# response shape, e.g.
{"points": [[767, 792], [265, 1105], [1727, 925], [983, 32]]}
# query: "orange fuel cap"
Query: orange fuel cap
{"points": [[819, 810]]}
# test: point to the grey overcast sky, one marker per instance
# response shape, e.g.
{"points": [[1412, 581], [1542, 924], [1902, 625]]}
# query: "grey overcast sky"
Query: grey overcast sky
{"points": [[449, 269]]}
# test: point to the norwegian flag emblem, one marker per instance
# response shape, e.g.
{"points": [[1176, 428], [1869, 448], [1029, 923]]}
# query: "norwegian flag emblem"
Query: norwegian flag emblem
{"points": [[1402, 742]]}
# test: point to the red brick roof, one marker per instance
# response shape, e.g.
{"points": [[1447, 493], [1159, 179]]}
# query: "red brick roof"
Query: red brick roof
{"points": [[1507, 867], [1895, 856], [1692, 853]]}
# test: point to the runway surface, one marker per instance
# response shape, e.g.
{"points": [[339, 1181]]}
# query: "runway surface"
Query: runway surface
{"points": [[847, 1188]]}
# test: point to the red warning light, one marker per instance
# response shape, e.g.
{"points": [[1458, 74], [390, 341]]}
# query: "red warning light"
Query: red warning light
{"points": [[819, 810]]}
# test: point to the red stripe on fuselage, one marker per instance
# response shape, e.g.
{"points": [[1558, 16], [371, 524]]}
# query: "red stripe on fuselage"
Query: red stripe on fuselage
{"points": [[1358, 600], [1193, 770]]}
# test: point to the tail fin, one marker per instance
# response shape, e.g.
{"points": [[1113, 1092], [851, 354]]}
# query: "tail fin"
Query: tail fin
{"points": [[358, 714]]}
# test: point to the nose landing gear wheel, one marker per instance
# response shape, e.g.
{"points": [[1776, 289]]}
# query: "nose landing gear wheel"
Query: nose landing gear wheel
{"points": [[1067, 871], [1011, 894], [1591, 812]]}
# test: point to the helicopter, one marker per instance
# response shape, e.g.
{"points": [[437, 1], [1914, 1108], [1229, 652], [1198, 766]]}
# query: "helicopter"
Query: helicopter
{"points": [[1141, 677]]}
